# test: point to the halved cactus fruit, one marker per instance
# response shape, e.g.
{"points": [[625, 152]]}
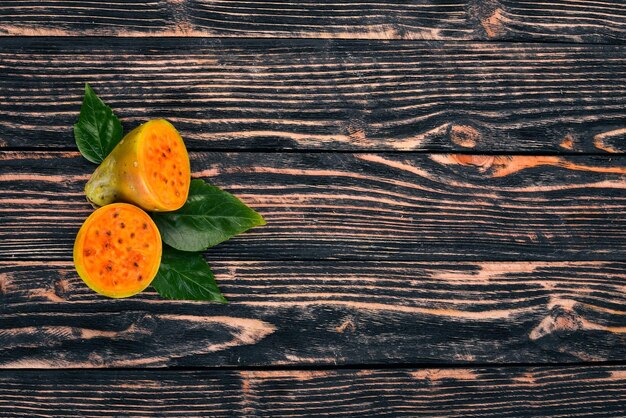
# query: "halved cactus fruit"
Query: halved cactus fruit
{"points": [[149, 168], [117, 251]]}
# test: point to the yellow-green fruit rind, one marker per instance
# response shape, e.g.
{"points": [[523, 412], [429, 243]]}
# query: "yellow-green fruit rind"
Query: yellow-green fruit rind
{"points": [[117, 251], [126, 174]]}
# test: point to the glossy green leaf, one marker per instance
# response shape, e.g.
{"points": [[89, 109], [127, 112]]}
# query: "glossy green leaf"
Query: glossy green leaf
{"points": [[186, 276], [209, 216], [98, 130]]}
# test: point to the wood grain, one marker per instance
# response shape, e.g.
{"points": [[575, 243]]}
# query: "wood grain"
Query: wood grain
{"points": [[518, 20], [357, 206], [598, 391], [257, 94], [322, 313], [372, 260]]}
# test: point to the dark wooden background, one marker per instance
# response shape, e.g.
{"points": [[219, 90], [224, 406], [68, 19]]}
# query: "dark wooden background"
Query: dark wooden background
{"points": [[444, 183]]}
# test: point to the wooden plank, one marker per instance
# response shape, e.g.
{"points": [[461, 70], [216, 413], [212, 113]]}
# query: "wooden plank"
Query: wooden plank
{"points": [[518, 20], [357, 206], [452, 392], [322, 313], [321, 94]]}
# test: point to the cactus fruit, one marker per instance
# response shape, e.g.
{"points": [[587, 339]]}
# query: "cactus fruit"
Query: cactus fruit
{"points": [[117, 251], [149, 167]]}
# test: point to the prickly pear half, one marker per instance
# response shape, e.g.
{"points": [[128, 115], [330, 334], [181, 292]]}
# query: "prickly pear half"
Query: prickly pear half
{"points": [[117, 251], [149, 167]]}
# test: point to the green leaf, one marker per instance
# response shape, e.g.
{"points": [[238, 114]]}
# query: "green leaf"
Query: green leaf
{"points": [[209, 216], [186, 276], [98, 130]]}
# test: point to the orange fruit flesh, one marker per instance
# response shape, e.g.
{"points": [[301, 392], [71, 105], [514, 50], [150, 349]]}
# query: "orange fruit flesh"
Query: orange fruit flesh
{"points": [[118, 250], [165, 166]]}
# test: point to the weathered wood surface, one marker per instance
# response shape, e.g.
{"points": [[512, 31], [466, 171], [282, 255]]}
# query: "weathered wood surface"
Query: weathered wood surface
{"points": [[518, 20], [321, 94], [322, 313], [382, 261], [598, 391], [357, 206]]}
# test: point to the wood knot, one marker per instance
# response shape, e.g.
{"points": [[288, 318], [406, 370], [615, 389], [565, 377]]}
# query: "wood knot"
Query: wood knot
{"points": [[567, 142], [4, 284], [493, 24], [464, 135], [489, 15], [357, 134], [62, 288], [609, 141], [560, 319], [483, 162], [346, 325]]}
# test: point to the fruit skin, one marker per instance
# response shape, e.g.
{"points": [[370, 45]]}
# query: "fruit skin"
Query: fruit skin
{"points": [[121, 177], [79, 257]]}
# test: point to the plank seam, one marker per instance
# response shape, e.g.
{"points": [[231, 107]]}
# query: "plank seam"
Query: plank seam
{"points": [[331, 367], [262, 38], [346, 151]]}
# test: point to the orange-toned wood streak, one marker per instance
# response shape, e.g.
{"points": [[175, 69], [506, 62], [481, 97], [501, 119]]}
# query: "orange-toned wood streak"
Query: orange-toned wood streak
{"points": [[256, 94], [289, 313], [519, 20], [359, 206]]}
